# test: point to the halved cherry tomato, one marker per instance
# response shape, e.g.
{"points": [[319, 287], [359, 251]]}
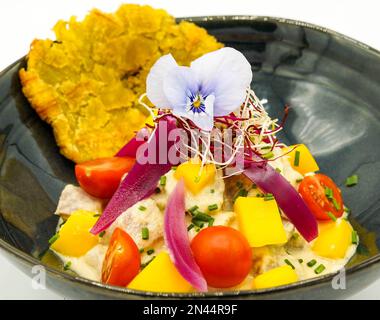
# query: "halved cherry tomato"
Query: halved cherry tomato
{"points": [[122, 261], [313, 191], [223, 255], [100, 178]]}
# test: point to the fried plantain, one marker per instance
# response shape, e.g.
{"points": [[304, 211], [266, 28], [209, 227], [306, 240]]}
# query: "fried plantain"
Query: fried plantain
{"points": [[87, 82]]}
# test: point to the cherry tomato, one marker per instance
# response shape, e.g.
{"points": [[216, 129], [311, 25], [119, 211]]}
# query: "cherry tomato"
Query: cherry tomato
{"points": [[223, 255], [100, 178], [122, 261], [321, 195]]}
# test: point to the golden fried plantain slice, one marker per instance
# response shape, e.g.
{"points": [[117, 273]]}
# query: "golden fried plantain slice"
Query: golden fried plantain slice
{"points": [[86, 83]]}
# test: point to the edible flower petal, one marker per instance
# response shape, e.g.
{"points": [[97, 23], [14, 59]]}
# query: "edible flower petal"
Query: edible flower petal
{"points": [[214, 85]]}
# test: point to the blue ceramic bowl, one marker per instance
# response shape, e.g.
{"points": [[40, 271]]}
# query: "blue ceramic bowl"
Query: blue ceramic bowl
{"points": [[332, 84]]}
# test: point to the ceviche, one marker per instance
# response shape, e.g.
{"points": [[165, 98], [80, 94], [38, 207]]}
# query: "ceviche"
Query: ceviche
{"points": [[205, 197]]}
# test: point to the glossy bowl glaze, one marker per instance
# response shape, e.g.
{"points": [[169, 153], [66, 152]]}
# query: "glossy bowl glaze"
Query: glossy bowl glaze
{"points": [[332, 84]]}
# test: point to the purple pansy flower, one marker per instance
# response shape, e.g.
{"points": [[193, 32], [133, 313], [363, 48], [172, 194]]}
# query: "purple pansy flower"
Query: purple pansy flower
{"points": [[214, 85]]}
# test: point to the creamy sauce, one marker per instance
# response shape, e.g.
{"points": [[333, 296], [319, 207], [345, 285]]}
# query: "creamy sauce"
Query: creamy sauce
{"points": [[266, 258]]}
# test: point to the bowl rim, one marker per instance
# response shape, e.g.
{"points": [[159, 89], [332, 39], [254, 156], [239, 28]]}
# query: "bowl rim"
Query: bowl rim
{"points": [[110, 290]]}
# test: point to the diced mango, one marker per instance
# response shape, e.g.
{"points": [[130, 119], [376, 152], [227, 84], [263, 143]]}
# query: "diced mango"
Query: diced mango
{"points": [[276, 277], [333, 240], [160, 276], [260, 221], [74, 237], [306, 162], [195, 179]]}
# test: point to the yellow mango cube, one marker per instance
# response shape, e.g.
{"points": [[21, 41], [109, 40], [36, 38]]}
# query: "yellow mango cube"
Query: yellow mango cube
{"points": [[304, 162], [160, 276], [276, 277], [195, 179], [333, 240], [260, 221], [74, 237]]}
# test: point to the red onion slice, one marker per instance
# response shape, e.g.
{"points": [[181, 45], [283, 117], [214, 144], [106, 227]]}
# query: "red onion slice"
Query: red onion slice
{"points": [[177, 239], [130, 149], [141, 180]]}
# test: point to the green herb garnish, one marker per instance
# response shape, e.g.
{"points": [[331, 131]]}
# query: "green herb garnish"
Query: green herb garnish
{"points": [[163, 181], [311, 263], [355, 237], [96, 215], [67, 266], [141, 250], [142, 208], [300, 260], [54, 238], [336, 204], [319, 269], [145, 233], [331, 216], [212, 190], [268, 155], [240, 193], [101, 234], [289, 263], [212, 207], [352, 181], [329, 193], [150, 251], [193, 209], [297, 158], [191, 226]]}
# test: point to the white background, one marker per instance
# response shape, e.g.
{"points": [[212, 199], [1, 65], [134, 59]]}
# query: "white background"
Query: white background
{"points": [[23, 20]]}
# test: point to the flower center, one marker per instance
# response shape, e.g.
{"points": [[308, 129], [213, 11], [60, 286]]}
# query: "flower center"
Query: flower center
{"points": [[197, 103]]}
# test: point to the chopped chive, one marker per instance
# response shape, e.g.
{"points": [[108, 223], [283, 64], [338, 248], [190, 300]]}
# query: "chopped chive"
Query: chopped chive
{"points": [[198, 223], [96, 215], [143, 265], [352, 180], [331, 216], [150, 251], [163, 181], [268, 155], [101, 234], [191, 226], [254, 186], [299, 180], [268, 197], [319, 269], [200, 216], [211, 222], [278, 170], [240, 193], [142, 208], [329, 193], [174, 168], [54, 238], [157, 190], [311, 263], [289, 263], [197, 229], [259, 195], [239, 184], [347, 210], [297, 158], [212, 207], [193, 209], [141, 250], [300, 260], [212, 190], [67, 266], [336, 204], [355, 237], [145, 233]]}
